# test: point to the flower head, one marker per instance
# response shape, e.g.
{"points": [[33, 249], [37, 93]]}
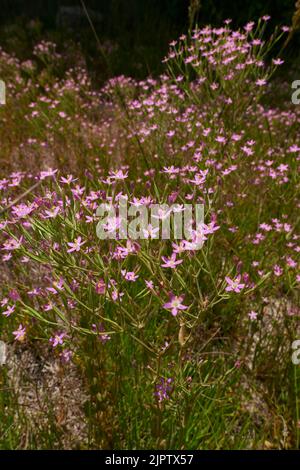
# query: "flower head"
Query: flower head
{"points": [[171, 262], [234, 285], [20, 333], [175, 304], [57, 339], [252, 315], [76, 245]]}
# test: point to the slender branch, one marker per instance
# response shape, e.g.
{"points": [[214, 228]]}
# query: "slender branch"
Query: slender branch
{"points": [[20, 197]]}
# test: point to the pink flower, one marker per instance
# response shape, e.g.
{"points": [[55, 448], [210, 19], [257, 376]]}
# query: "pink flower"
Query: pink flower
{"points": [[57, 287], [116, 295], [49, 172], [149, 284], [234, 285], [76, 245], [180, 247], [198, 238], [175, 304], [261, 82], [294, 148], [22, 210], [171, 262], [248, 151], [14, 295], [118, 175], [103, 337], [20, 333], [211, 227], [277, 270], [4, 302], [9, 311], [249, 26], [78, 191], [66, 355], [129, 275], [252, 315], [278, 61], [12, 244], [48, 307], [69, 179], [57, 339], [291, 262], [50, 214], [170, 133], [150, 232], [100, 287]]}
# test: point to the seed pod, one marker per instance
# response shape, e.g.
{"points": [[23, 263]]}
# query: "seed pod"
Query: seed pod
{"points": [[182, 335]]}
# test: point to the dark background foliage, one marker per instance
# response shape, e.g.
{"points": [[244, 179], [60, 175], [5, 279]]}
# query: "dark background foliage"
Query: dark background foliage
{"points": [[141, 29], [168, 11]]}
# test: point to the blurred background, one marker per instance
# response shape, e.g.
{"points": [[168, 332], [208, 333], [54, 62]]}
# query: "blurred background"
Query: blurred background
{"points": [[134, 34]]}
